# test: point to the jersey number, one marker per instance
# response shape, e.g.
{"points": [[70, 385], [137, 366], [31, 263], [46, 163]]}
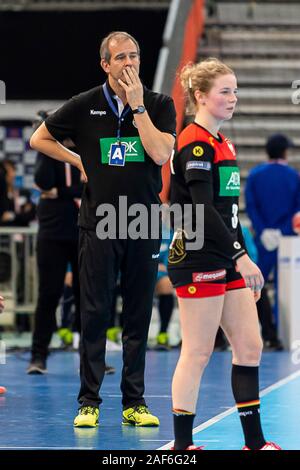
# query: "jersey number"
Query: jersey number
{"points": [[234, 218]]}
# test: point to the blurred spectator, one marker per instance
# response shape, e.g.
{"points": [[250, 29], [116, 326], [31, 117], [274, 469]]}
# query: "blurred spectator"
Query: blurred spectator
{"points": [[264, 309], [16, 210], [68, 313], [164, 290], [57, 246], [272, 198], [16, 207]]}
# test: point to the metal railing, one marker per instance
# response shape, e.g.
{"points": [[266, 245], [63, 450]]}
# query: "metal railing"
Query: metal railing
{"points": [[18, 280]]}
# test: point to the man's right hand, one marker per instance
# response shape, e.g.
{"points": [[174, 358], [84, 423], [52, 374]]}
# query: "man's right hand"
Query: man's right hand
{"points": [[250, 272], [83, 176]]}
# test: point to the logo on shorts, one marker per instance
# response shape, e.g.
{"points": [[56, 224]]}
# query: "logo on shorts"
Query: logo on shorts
{"points": [[209, 276], [237, 245], [198, 151], [192, 290]]}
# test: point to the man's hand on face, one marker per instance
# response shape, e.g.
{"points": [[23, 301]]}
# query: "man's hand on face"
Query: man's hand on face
{"points": [[133, 87]]}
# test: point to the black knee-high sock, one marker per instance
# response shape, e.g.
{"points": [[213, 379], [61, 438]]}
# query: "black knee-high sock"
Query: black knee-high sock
{"points": [[245, 389], [165, 307], [183, 429]]}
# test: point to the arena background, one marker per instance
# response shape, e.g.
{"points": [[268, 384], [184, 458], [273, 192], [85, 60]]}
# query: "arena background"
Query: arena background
{"points": [[49, 54]]}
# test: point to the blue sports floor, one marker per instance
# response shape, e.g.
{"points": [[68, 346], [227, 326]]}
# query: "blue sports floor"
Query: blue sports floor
{"points": [[37, 411]]}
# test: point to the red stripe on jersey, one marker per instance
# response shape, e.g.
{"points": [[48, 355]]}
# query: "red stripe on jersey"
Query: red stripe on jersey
{"points": [[238, 284], [193, 133], [196, 291]]}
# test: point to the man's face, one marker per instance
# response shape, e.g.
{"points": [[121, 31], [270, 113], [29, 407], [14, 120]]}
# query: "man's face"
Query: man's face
{"points": [[123, 54]]}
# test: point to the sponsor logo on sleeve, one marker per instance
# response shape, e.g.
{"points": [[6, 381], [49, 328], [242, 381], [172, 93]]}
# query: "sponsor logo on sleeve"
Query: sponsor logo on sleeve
{"points": [[199, 165], [198, 151]]}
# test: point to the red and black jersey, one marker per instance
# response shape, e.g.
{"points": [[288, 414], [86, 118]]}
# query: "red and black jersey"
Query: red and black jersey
{"points": [[204, 171]]}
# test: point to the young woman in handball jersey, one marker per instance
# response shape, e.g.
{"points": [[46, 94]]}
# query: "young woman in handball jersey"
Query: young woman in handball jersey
{"points": [[217, 285]]}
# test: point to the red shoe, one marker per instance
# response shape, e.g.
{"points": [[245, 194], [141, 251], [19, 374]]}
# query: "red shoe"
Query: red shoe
{"points": [[267, 446], [193, 447]]}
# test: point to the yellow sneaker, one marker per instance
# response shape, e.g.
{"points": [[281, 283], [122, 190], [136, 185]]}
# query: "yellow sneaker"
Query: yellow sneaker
{"points": [[65, 335], [162, 341], [88, 417], [139, 415], [114, 334]]}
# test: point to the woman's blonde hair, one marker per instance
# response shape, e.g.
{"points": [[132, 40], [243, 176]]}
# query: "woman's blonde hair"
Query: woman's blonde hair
{"points": [[200, 76]]}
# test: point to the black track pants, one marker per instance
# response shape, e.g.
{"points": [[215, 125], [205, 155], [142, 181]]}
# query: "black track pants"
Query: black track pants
{"points": [[99, 264]]}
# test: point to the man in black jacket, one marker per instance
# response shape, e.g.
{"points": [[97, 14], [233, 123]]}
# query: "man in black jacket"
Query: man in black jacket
{"points": [[124, 133]]}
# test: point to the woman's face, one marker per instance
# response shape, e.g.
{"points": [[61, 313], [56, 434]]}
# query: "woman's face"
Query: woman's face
{"points": [[220, 101]]}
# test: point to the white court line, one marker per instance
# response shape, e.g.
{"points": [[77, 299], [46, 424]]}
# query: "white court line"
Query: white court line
{"points": [[145, 396], [223, 415], [167, 440]]}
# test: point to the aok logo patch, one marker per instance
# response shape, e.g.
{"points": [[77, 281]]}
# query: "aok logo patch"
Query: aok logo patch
{"points": [[229, 181], [134, 151]]}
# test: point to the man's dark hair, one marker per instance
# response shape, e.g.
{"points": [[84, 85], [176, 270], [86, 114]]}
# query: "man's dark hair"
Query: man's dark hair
{"points": [[276, 146], [118, 35]]}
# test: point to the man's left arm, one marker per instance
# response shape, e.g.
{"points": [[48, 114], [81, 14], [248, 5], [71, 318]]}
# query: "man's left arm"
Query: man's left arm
{"points": [[158, 144]]}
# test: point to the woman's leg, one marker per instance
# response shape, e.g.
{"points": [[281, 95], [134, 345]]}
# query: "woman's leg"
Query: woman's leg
{"points": [[241, 326], [200, 319]]}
